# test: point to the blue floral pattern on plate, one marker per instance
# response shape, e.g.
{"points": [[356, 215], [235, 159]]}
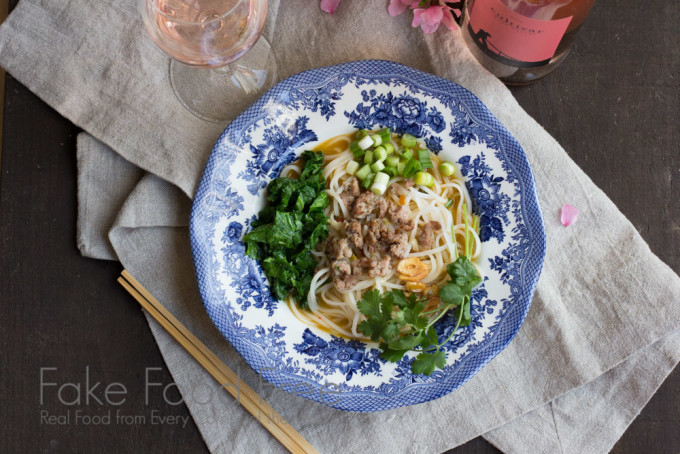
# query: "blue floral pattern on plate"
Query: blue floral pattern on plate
{"points": [[301, 112]]}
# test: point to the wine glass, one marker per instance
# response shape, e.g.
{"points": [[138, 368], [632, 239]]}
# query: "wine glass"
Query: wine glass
{"points": [[223, 36]]}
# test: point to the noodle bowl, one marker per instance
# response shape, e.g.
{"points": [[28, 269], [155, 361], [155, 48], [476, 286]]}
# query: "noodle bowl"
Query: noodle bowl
{"points": [[446, 202]]}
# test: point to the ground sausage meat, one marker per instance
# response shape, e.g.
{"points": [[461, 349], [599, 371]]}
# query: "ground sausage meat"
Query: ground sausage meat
{"points": [[401, 216], [366, 203], [343, 279], [353, 232], [338, 248], [373, 238], [399, 246], [350, 191], [374, 267], [377, 230], [381, 267], [426, 235]]}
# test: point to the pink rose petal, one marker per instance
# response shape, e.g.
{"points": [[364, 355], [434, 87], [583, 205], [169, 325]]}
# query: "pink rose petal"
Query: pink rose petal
{"points": [[448, 20], [569, 215], [329, 6], [430, 18], [423, 19], [433, 15], [396, 7]]}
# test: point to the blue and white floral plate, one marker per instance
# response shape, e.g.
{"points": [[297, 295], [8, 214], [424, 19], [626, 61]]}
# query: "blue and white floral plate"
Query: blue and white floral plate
{"points": [[294, 116]]}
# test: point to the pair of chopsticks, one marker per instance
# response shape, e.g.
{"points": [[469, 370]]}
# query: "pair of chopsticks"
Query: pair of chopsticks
{"points": [[248, 398]]}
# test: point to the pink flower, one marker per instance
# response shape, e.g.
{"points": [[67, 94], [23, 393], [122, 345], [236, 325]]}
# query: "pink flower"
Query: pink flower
{"points": [[329, 6], [429, 18], [399, 6], [569, 215]]}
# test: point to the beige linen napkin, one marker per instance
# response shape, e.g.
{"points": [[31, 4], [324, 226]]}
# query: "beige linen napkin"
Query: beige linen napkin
{"points": [[597, 342]]}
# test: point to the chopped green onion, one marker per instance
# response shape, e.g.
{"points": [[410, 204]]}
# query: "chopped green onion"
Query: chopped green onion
{"points": [[365, 142], [377, 166], [379, 185], [400, 167], [408, 140], [424, 158], [385, 134], [379, 153], [360, 134], [447, 169], [388, 147], [381, 178], [363, 172], [377, 140], [352, 167], [368, 157], [391, 171], [431, 183], [356, 149], [412, 167], [392, 160], [408, 154], [448, 203], [378, 189], [421, 178], [368, 181]]}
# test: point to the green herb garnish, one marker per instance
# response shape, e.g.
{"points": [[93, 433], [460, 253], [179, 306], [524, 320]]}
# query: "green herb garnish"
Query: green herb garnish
{"points": [[289, 228], [413, 166], [401, 324], [424, 158]]}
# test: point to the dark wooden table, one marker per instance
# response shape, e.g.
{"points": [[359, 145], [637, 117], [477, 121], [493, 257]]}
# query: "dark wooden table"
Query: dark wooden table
{"points": [[613, 105]]}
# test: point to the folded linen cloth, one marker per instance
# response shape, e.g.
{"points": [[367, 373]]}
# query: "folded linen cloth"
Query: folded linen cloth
{"points": [[584, 363]]}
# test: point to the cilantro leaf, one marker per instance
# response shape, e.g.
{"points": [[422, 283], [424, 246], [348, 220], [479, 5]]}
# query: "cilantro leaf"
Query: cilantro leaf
{"points": [[391, 355], [372, 327], [425, 362], [464, 274], [399, 323], [390, 331], [397, 298], [451, 294], [412, 316], [466, 313], [369, 305], [432, 336], [406, 342]]}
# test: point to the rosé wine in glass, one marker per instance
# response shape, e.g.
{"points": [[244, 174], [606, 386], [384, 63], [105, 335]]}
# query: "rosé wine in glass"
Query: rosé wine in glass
{"points": [[217, 34]]}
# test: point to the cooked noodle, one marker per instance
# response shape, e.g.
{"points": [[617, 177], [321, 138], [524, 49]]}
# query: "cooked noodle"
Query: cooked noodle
{"points": [[336, 311]]}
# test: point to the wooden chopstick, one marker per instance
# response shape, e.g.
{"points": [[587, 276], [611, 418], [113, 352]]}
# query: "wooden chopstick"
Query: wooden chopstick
{"points": [[227, 378]]}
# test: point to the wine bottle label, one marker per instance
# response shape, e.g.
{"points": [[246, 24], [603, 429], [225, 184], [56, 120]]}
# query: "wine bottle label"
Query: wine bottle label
{"points": [[514, 39]]}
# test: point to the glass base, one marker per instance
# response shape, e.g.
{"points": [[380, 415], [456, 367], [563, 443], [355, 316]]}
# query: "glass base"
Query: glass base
{"points": [[220, 94]]}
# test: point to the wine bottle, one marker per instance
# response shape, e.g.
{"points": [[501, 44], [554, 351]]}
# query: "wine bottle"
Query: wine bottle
{"points": [[521, 41]]}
